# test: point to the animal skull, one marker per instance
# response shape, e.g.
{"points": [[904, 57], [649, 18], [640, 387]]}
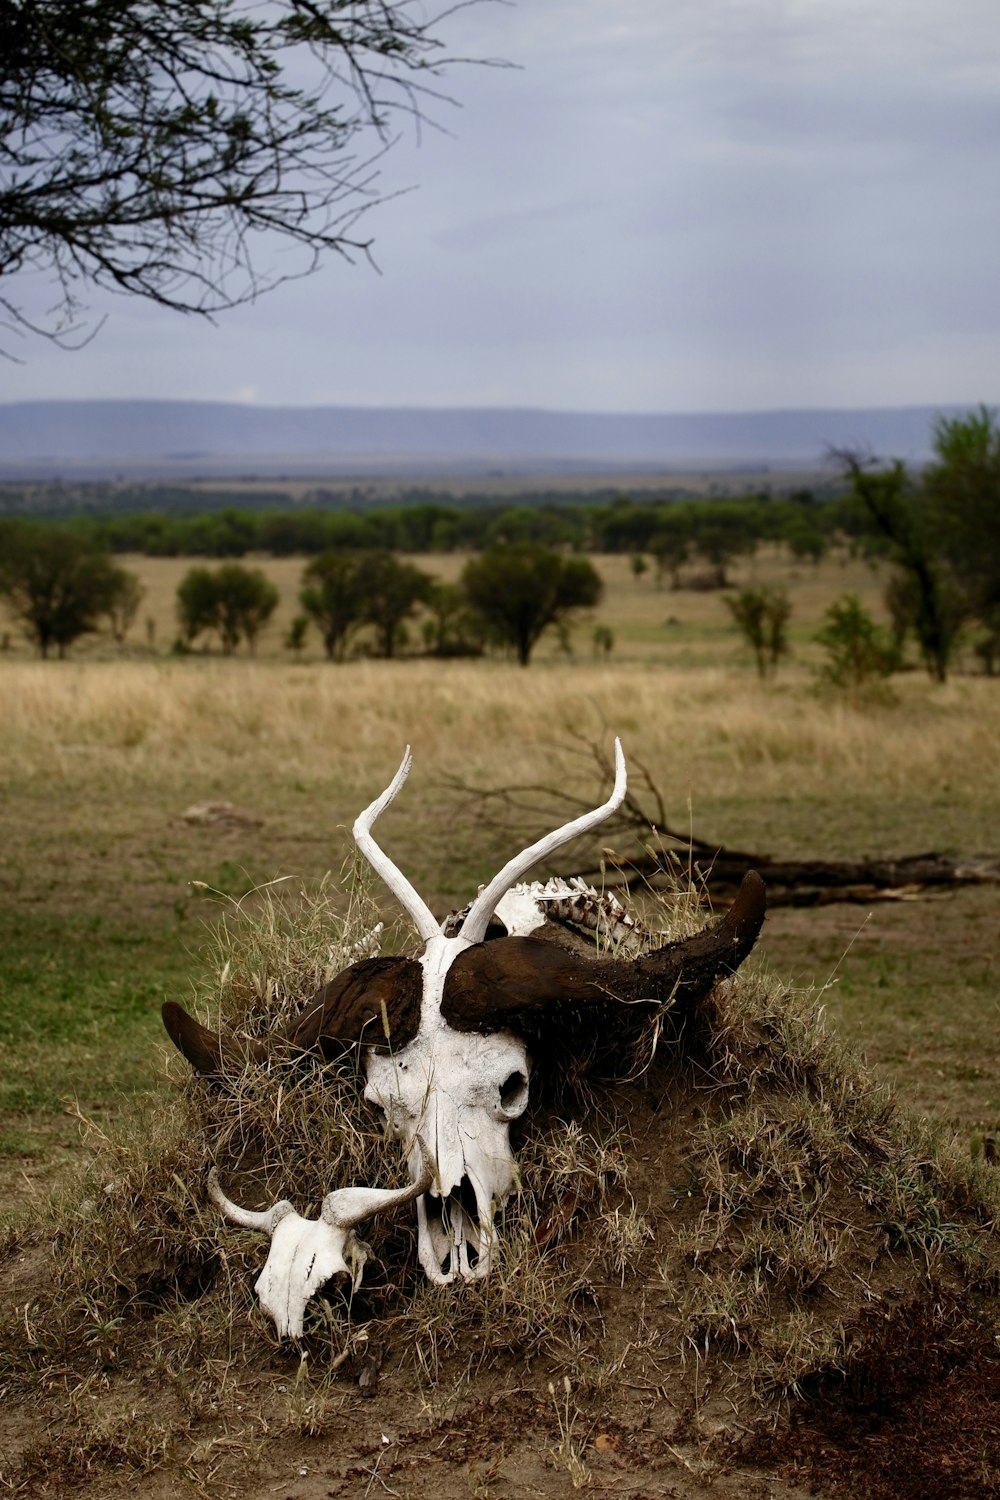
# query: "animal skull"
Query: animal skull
{"points": [[459, 1090], [455, 1073], [305, 1254]]}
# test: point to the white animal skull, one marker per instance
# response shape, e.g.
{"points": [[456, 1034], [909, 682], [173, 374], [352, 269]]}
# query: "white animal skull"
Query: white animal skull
{"points": [[307, 1253], [459, 1090], [455, 1073]]}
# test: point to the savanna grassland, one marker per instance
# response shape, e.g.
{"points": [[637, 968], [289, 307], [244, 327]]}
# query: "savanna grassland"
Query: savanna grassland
{"points": [[108, 893], [749, 1227]]}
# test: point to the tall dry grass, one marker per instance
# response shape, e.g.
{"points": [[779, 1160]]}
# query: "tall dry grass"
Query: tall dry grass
{"points": [[702, 734]]}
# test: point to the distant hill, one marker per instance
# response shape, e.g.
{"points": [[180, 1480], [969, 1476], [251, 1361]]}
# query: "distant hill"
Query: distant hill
{"points": [[192, 439]]}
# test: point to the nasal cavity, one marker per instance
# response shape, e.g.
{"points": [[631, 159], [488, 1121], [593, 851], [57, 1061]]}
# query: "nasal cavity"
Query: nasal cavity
{"points": [[514, 1093]]}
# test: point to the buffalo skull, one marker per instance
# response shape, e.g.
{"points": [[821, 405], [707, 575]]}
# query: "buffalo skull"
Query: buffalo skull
{"points": [[445, 1036]]}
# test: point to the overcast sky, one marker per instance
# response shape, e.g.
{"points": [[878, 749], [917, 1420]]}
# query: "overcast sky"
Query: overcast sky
{"points": [[667, 205]]}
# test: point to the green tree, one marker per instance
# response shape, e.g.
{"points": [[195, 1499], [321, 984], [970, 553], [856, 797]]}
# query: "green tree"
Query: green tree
{"points": [[58, 585], [452, 627], [962, 490], [295, 636], [671, 543], [762, 616], [722, 533], [803, 538], [521, 590], [233, 600], [123, 605], [900, 513], [334, 597], [857, 649], [152, 147], [196, 603], [392, 591]]}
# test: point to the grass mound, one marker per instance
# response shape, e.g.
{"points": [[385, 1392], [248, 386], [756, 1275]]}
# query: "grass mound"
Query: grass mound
{"points": [[748, 1230]]}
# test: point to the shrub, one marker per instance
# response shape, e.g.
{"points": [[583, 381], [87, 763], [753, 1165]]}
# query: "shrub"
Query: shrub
{"points": [[857, 649], [762, 616], [233, 600]]}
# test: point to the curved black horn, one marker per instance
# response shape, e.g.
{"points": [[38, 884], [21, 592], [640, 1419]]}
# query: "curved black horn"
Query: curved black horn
{"points": [[494, 983], [354, 1006]]}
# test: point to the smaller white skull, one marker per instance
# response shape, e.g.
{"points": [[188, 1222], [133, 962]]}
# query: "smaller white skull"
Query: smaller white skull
{"points": [[307, 1253]]}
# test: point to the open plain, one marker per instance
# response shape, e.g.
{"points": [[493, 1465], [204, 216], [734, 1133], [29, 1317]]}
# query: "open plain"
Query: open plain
{"points": [[111, 896]]}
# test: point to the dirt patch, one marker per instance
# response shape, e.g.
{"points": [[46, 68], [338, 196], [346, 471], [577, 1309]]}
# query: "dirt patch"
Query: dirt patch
{"points": [[915, 1412]]}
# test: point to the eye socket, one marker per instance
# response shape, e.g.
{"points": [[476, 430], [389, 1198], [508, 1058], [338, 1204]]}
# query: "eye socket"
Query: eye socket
{"points": [[514, 1093]]}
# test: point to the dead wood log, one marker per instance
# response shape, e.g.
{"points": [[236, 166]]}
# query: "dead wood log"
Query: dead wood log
{"points": [[659, 853], [801, 882]]}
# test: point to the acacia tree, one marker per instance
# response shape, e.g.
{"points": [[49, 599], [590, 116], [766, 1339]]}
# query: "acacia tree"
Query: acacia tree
{"points": [[344, 590], [900, 514], [123, 606], [392, 592], [333, 597], [963, 497], [452, 627], [722, 533], [522, 589], [58, 585], [235, 601], [155, 148]]}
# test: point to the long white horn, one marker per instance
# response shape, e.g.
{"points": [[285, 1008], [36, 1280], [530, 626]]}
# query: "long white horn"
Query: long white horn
{"points": [[420, 912], [348, 1207], [475, 925], [248, 1218]]}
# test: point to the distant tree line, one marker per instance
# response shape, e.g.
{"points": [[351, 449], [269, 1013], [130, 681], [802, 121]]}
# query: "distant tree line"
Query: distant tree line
{"points": [[505, 599], [60, 587], [939, 534], [709, 533]]}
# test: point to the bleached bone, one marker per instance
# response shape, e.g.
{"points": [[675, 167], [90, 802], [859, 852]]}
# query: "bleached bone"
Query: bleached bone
{"points": [[460, 1091], [525, 908], [307, 1253]]}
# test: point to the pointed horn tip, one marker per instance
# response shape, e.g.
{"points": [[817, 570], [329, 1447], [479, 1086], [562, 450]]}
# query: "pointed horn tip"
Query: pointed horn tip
{"points": [[621, 774], [202, 1048], [751, 898], [363, 822], [745, 918]]}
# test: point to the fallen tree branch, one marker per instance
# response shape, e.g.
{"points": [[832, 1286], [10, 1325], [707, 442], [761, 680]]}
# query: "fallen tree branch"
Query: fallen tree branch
{"points": [[664, 852], [802, 882]]}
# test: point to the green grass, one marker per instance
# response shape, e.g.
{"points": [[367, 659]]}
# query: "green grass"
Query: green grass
{"points": [[79, 1025], [914, 984]]}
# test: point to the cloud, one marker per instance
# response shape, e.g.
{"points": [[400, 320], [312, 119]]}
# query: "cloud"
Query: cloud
{"points": [[720, 203]]}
